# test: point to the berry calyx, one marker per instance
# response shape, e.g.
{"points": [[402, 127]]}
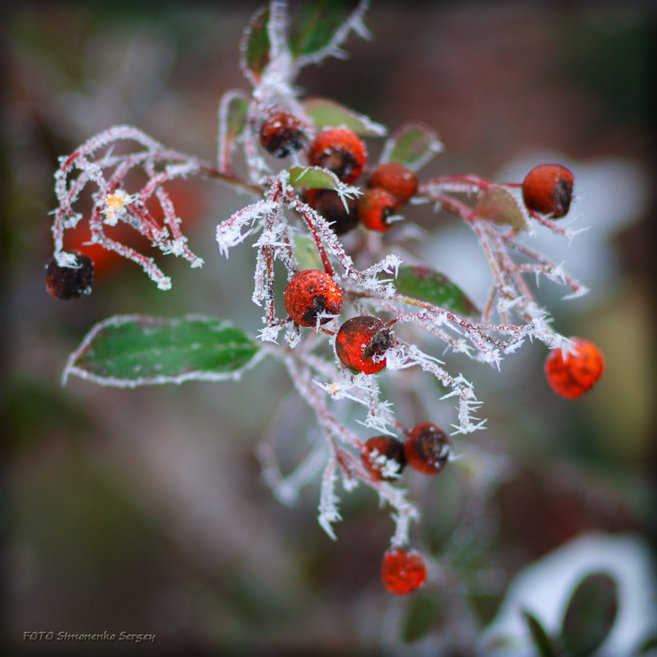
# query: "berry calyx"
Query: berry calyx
{"points": [[339, 150], [360, 341], [383, 457], [309, 294], [571, 376], [402, 571], [329, 204], [70, 282], [427, 448], [395, 178], [548, 189], [282, 134], [375, 208]]}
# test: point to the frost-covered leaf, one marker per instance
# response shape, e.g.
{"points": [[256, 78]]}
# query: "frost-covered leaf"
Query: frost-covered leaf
{"points": [[426, 284], [540, 637], [318, 28], [413, 145], [255, 47], [315, 178], [132, 350], [327, 113], [305, 251], [233, 110], [497, 204], [590, 614], [423, 615]]}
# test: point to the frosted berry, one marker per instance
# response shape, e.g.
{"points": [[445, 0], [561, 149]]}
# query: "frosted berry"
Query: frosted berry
{"points": [[329, 204], [359, 341], [395, 178], [573, 375], [383, 457], [402, 571], [70, 282], [548, 189], [339, 150], [310, 293], [427, 448], [282, 134], [375, 207]]}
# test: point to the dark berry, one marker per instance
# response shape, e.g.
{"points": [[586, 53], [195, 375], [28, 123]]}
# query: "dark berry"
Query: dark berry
{"points": [[395, 178], [70, 282], [578, 372], [360, 340], [282, 134], [329, 204], [548, 189], [339, 150], [375, 207], [402, 571], [427, 448], [310, 293], [383, 456]]}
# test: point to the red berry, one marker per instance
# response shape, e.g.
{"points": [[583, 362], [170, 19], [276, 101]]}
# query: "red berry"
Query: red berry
{"points": [[375, 207], [402, 571], [395, 178], [339, 150], [573, 375], [548, 189], [383, 457], [70, 282], [427, 448], [328, 203], [359, 340], [282, 134], [308, 294]]}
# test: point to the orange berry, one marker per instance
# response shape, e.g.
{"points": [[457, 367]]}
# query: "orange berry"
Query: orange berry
{"points": [[427, 448], [70, 282], [402, 571], [375, 207], [548, 189], [308, 294], [339, 150], [328, 203], [573, 375], [383, 454], [395, 178], [359, 340], [282, 134]]}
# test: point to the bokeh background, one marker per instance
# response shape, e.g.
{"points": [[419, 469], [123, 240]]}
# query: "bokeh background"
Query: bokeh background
{"points": [[144, 511]]}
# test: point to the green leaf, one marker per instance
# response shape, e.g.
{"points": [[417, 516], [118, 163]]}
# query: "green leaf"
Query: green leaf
{"points": [[306, 252], [255, 47], [498, 205], [319, 26], [590, 614], [327, 113], [426, 284], [540, 637], [314, 178], [413, 145], [132, 350], [424, 614]]}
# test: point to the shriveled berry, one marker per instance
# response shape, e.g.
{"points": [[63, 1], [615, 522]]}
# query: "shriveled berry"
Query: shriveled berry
{"points": [[402, 571], [282, 134], [577, 372], [395, 178], [360, 340], [548, 189], [427, 448], [70, 282], [375, 207], [329, 204], [310, 293], [383, 456], [339, 150]]}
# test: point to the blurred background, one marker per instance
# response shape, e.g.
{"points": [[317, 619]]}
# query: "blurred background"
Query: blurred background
{"points": [[144, 510]]}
